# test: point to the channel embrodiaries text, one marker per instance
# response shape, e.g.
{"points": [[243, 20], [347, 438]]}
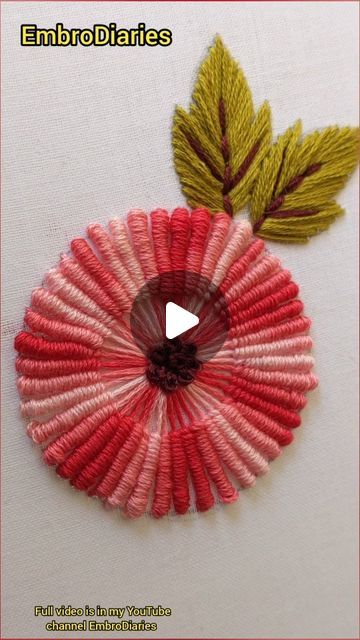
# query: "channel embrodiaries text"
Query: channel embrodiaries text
{"points": [[89, 615]]}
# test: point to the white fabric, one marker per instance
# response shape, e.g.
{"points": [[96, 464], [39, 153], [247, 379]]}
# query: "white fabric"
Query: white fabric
{"points": [[86, 136]]}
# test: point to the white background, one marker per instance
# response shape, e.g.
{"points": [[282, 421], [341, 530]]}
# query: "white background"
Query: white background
{"points": [[86, 136]]}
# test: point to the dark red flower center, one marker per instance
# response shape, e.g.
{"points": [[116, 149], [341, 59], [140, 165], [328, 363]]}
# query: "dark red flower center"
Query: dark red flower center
{"points": [[172, 364]]}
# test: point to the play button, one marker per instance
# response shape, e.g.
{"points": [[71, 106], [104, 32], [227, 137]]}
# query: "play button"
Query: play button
{"points": [[178, 320]]}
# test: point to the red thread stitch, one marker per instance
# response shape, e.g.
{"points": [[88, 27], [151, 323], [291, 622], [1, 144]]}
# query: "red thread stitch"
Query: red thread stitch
{"points": [[139, 429]]}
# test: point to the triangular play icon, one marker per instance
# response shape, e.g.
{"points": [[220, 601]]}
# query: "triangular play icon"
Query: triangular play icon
{"points": [[178, 320]]}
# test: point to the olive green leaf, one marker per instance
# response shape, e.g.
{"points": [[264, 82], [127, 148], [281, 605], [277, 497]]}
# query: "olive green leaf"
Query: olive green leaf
{"points": [[292, 198], [219, 144]]}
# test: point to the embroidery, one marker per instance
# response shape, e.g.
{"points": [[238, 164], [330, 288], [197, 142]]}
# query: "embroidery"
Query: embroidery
{"points": [[151, 424], [225, 159], [136, 429]]}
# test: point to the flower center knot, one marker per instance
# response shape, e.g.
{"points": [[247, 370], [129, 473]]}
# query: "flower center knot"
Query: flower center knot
{"points": [[172, 364]]}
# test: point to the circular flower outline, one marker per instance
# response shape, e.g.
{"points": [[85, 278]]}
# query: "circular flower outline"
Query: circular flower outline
{"points": [[112, 429]]}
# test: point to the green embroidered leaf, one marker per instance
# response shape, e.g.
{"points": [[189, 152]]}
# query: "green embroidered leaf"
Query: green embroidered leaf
{"points": [[292, 199], [219, 145]]}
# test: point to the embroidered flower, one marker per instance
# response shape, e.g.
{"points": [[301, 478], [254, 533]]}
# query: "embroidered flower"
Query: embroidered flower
{"points": [[148, 423]]}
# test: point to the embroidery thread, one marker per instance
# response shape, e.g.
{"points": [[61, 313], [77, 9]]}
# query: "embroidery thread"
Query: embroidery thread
{"points": [[149, 424], [225, 159], [132, 429]]}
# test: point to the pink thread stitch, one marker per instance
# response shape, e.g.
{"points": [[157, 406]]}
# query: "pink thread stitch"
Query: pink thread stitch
{"points": [[167, 429]]}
